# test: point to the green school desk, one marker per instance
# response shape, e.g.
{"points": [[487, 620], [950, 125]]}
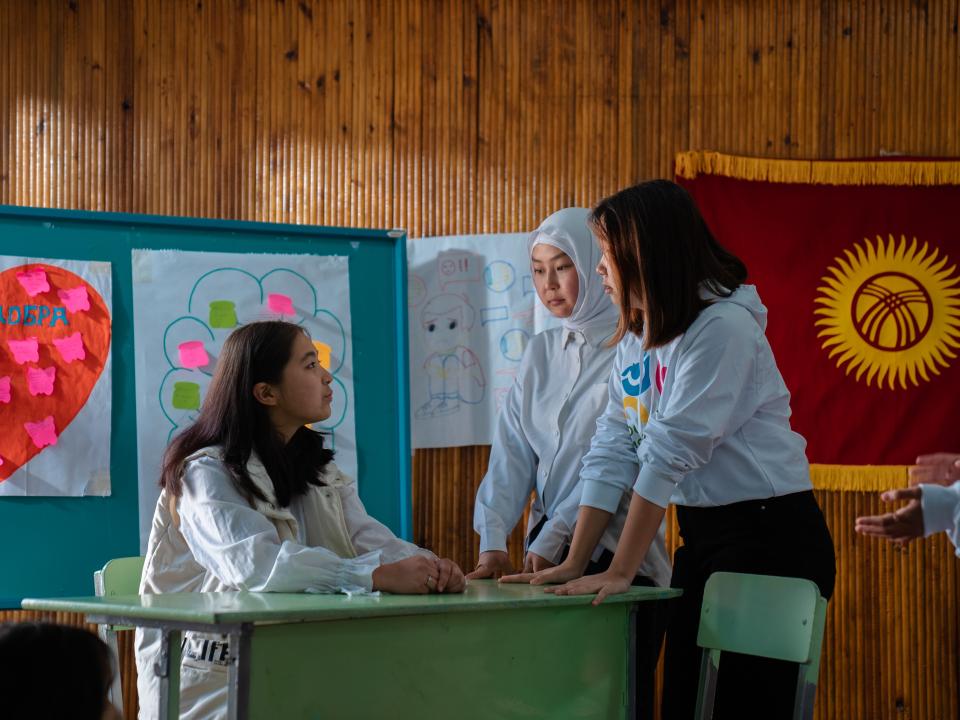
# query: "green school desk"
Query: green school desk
{"points": [[508, 651]]}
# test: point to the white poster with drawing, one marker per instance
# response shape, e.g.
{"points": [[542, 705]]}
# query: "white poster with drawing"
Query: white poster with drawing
{"points": [[472, 308], [185, 306]]}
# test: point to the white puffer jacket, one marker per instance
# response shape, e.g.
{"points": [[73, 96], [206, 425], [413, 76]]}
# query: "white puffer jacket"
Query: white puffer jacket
{"points": [[211, 539]]}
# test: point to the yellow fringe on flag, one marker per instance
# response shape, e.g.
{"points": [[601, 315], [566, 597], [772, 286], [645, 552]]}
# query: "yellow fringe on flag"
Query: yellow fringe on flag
{"points": [[819, 172], [859, 478]]}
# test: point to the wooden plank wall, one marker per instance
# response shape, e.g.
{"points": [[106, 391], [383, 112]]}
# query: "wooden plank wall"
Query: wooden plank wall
{"points": [[485, 116]]}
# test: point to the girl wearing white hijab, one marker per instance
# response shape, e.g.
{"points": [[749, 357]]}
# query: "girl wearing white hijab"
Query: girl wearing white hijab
{"points": [[549, 415]]}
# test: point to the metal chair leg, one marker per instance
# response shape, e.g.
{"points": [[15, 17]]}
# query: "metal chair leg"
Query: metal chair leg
{"points": [[707, 692]]}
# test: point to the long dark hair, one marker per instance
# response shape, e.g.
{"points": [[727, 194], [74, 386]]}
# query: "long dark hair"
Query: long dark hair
{"points": [[664, 253], [234, 420]]}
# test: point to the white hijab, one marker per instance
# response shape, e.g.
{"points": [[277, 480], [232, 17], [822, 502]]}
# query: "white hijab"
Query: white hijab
{"points": [[567, 230]]}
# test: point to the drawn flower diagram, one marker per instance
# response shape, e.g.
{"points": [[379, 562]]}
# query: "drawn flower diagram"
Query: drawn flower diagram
{"points": [[220, 301]]}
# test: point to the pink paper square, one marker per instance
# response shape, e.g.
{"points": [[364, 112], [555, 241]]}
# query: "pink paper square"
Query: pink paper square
{"points": [[34, 281], [70, 347], [75, 299], [280, 304], [193, 355], [40, 380], [42, 433], [24, 350]]}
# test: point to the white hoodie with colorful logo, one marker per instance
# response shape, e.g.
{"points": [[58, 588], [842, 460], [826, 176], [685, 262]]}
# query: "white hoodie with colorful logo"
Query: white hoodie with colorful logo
{"points": [[701, 421]]}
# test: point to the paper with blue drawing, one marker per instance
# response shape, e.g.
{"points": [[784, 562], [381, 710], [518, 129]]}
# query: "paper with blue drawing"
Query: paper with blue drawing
{"points": [[472, 307], [185, 306]]}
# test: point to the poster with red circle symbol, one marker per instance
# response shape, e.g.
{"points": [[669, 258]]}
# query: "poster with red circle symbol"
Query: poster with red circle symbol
{"points": [[55, 377]]}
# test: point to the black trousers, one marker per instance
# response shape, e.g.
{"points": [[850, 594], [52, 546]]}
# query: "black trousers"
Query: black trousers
{"points": [[785, 536], [650, 627]]}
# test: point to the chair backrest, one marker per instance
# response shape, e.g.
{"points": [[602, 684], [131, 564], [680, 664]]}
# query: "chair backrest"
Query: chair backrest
{"points": [[120, 576], [764, 615]]}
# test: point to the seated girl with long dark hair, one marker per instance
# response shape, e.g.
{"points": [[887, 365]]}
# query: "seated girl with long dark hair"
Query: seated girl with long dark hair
{"points": [[251, 500]]}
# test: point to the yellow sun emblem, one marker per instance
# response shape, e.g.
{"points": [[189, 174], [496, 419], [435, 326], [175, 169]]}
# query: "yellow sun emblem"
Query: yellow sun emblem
{"points": [[892, 312]]}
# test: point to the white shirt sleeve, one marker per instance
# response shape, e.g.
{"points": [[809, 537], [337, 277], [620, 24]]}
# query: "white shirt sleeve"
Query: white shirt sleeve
{"points": [[711, 378], [610, 466], [941, 511], [511, 474], [370, 535], [241, 547], [557, 532]]}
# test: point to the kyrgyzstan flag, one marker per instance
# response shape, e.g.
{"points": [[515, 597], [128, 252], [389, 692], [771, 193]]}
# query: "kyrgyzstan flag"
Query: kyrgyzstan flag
{"points": [[857, 263]]}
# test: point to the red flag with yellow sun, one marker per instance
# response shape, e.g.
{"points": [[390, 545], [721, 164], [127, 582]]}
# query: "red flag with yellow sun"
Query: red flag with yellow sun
{"points": [[857, 263]]}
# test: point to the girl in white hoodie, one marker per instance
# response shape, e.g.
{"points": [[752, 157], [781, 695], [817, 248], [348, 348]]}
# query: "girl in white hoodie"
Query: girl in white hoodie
{"points": [[252, 500], [698, 417]]}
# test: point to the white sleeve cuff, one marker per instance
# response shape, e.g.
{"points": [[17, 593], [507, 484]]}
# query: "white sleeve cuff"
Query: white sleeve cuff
{"points": [[938, 505], [356, 574], [601, 496], [549, 543], [654, 487], [492, 540]]}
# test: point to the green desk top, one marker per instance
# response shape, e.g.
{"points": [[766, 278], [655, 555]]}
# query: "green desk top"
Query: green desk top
{"points": [[245, 607]]}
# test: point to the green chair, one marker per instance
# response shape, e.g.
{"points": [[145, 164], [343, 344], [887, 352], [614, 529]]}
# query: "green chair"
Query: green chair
{"points": [[763, 615], [120, 576]]}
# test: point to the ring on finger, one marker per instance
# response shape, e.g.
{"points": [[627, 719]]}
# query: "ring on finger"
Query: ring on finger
{"points": [[431, 581]]}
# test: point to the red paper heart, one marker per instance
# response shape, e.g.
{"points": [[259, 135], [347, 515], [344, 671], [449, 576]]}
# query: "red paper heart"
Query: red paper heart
{"points": [[73, 380]]}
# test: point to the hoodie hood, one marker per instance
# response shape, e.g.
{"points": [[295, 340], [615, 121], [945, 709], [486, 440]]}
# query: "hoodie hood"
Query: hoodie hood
{"points": [[746, 297]]}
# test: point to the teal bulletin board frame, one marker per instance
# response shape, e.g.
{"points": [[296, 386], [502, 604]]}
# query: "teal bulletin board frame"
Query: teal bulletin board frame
{"points": [[51, 546]]}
